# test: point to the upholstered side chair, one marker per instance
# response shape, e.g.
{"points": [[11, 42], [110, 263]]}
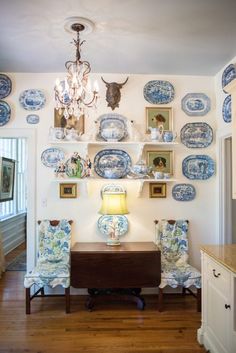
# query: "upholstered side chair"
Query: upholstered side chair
{"points": [[172, 239], [53, 262]]}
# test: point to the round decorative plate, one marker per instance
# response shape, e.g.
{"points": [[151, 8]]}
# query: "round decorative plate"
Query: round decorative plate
{"points": [[106, 223], [228, 75], [158, 92], [226, 109], [196, 104], [32, 119], [32, 99], [183, 192], [75, 168], [52, 156], [5, 86], [5, 113], [112, 163]]}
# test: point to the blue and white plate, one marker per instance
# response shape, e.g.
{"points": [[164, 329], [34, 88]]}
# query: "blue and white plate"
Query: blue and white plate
{"points": [[196, 135], [226, 109], [158, 92], [32, 99], [228, 75], [112, 163], [183, 192], [198, 167], [52, 156], [5, 113], [32, 119], [113, 127], [196, 104], [5, 86], [105, 224]]}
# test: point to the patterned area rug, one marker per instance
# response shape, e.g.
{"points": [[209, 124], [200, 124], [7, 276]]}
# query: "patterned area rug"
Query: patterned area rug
{"points": [[18, 264]]}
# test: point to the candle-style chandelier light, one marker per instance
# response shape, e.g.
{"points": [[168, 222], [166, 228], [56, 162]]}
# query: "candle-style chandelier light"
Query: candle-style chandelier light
{"points": [[74, 94]]}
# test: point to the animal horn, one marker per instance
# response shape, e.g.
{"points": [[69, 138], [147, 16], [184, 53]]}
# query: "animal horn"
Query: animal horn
{"points": [[104, 81], [122, 84]]}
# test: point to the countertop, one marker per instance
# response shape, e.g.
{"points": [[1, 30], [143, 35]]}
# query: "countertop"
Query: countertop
{"points": [[225, 254]]}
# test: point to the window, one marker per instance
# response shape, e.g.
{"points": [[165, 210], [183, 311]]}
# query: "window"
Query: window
{"points": [[15, 148]]}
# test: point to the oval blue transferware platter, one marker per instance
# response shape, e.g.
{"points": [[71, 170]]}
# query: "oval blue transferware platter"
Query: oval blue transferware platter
{"points": [[226, 109], [198, 167], [51, 156], [228, 75], [197, 104], [114, 122], [112, 163], [5, 86], [5, 113], [183, 192], [32, 99], [105, 223], [32, 119], [158, 92], [196, 135]]}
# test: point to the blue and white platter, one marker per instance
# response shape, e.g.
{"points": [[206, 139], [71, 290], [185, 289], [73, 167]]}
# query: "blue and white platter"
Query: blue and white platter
{"points": [[113, 127], [105, 224], [226, 109], [183, 192], [52, 156], [32, 99], [196, 135], [112, 163], [5, 113], [32, 119], [228, 75], [5, 86], [158, 92], [197, 104], [198, 167]]}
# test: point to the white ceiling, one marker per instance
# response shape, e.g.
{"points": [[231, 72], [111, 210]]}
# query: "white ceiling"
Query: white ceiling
{"points": [[196, 37]]}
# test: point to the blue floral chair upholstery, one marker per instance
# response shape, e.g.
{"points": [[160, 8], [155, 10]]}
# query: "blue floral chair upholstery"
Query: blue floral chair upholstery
{"points": [[171, 238], [53, 263]]}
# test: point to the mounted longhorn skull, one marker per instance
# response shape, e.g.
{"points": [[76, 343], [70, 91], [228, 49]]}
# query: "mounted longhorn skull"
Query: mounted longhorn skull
{"points": [[113, 94]]}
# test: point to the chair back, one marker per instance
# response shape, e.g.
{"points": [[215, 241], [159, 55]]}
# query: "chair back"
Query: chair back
{"points": [[171, 237], [54, 240]]}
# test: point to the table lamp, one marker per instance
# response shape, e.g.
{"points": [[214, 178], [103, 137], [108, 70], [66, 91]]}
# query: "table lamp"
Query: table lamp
{"points": [[113, 223]]}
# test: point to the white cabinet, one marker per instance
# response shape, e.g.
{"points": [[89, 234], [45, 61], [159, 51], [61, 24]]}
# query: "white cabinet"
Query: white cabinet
{"points": [[231, 89], [218, 305]]}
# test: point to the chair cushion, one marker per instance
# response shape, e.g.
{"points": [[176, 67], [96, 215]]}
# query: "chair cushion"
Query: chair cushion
{"points": [[50, 274], [184, 275]]}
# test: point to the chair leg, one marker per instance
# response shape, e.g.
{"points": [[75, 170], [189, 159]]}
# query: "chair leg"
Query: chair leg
{"points": [[160, 299], [27, 301], [199, 299], [183, 291], [42, 291], [67, 295]]}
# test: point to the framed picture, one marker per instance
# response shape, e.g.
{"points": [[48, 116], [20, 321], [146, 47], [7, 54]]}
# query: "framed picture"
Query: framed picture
{"points": [[157, 116], [68, 190], [71, 123], [7, 178], [160, 161], [157, 190]]}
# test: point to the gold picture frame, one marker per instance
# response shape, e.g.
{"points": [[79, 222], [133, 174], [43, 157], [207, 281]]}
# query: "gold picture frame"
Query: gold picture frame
{"points": [[156, 116], [71, 123], [160, 161], [157, 190], [68, 190]]}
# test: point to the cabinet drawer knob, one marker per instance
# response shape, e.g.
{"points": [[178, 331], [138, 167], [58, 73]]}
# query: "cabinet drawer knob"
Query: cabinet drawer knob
{"points": [[227, 306], [216, 275]]}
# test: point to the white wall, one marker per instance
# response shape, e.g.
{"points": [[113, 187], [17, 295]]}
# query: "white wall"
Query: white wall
{"points": [[202, 212]]}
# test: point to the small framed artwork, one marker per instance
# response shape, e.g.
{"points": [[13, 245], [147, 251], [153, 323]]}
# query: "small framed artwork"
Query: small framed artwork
{"points": [[71, 123], [157, 190], [160, 161], [7, 177], [68, 190], [157, 116]]}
